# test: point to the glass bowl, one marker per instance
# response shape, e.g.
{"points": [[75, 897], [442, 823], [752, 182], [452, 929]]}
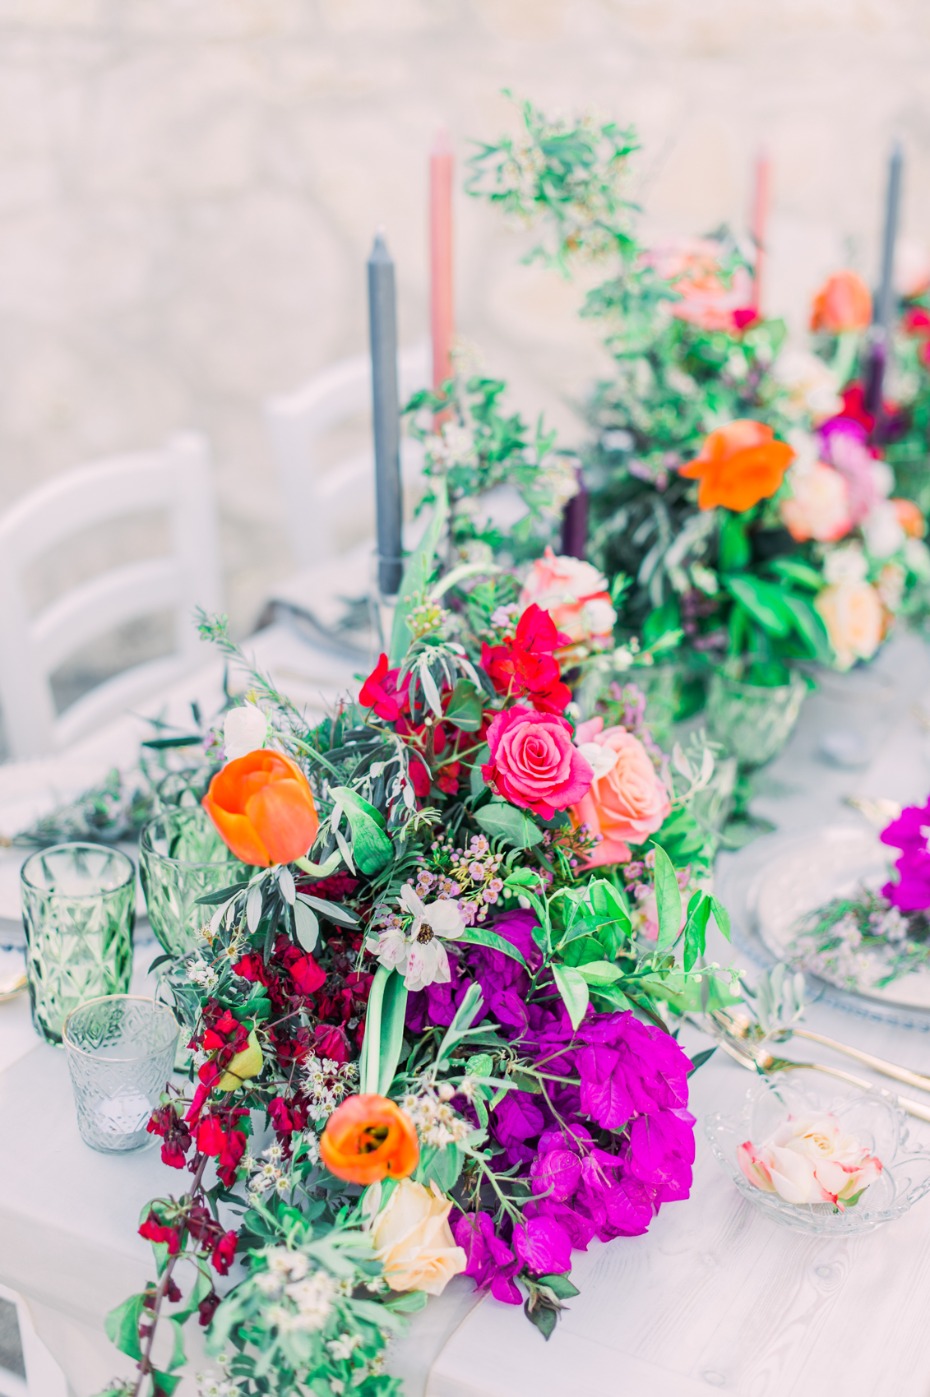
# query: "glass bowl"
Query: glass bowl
{"points": [[873, 1117]]}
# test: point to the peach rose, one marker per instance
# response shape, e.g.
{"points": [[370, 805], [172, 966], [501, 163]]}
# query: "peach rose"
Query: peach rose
{"points": [[576, 597], [910, 518], [413, 1239], [855, 620], [818, 506], [627, 800]]}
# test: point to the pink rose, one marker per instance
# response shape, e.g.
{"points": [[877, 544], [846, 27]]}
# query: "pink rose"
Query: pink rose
{"points": [[810, 1160], [627, 800], [708, 298], [534, 762], [576, 597]]}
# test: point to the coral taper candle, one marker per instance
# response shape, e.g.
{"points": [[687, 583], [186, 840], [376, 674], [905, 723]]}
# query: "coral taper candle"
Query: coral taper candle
{"points": [[385, 403], [442, 320], [760, 219]]}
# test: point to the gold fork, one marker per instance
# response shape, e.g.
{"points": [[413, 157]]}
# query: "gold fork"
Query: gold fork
{"points": [[12, 988], [756, 1059], [742, 1027]]}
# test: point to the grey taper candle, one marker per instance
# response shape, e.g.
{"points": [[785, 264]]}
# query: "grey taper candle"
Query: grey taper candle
{"points": [[385, 403], [884, 303]]}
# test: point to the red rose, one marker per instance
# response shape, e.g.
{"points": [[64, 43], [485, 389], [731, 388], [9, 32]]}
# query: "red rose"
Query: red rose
{"points": [[534, 763]]}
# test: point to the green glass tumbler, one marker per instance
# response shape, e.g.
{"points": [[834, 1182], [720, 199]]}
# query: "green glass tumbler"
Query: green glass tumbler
{"points": [[79, 907], [752, 722], [182, 859]]}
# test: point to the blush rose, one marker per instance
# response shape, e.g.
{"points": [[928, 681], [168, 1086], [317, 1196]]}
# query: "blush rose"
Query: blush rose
{"points": [[534, 762], [414, 1242], [627, 800]]}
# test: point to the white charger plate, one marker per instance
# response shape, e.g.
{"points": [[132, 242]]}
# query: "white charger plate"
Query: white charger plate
{"points": [[808, 872], [28, 790]]}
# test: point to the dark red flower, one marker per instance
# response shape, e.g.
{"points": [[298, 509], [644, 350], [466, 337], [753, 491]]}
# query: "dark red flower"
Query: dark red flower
{"points": [[251, 967], [207, 1308], [154, 1231], [330, 1041], [174, 1133], [230, 1156], [280, 1116], [223, 1253], [381, 691]]}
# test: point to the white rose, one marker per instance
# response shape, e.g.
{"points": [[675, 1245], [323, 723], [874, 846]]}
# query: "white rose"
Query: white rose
{"points": [[882, 530], [810, 1160]]}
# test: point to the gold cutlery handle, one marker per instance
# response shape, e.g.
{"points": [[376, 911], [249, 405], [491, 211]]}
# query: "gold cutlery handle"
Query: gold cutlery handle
{"points": [[918, 1109], [877, 1064]]}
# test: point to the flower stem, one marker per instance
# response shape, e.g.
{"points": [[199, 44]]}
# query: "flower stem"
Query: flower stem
{"points": [[145, 1361]]}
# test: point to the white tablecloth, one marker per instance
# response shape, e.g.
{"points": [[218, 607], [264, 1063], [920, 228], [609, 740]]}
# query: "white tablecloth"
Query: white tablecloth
{"points": [[715, 1298]]}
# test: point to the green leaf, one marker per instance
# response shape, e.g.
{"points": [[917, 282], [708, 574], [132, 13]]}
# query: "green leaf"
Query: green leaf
{"points": [[177, 1334], [573, 988], [518, 878], [122, 1326], [600, 972], [420, 567], [668, 899], [696, 929], [480, 936], [762, 601], [442, 1166], [794, 570], [721, 916], [393, 1013], [372, 849], [465, 707], [699, 1059], [543, 1316], [164, 1384], [807, 622], [306, 925], [476, 782], [734, 544], [503, 821], [560, 1286]]}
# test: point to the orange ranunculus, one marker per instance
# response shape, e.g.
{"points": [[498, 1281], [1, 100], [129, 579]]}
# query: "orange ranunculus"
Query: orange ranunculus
{"points": [[263, 807], [739, 465], [369, 1138], [844, 302], [910, 518]]}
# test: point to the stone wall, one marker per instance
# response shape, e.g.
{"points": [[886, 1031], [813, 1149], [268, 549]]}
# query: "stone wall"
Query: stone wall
{"points": [[188, 189]]}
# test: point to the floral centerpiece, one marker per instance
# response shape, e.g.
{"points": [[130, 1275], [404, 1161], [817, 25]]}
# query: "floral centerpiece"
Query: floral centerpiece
{"points": [[730, 480], [433, 1030]]}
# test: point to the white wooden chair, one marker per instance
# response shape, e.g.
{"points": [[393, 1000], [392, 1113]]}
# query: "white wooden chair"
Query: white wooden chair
{"points": [[43, 1377], [176, 482], [329, 496]]}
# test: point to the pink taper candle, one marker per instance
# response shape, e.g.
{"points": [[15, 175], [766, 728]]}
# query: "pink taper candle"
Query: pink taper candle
{"points": [[760, 218], [440, 238]]}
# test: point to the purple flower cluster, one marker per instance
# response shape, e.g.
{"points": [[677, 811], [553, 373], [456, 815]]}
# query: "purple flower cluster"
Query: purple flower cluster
{"points": [[909, 833], [605, 1141]]}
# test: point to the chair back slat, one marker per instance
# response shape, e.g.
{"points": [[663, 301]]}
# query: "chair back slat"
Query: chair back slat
{"points": [[176, 481]]}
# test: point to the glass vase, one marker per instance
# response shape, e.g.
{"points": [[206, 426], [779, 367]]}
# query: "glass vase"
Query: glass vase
{"points": [[78, 912], [752, 722], [121, 1056], [182, 859]]}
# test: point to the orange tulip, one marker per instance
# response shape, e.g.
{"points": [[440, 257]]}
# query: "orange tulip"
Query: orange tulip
{"points": [[739, 465], [263, 807], [844, 302], [369, 1138], [910, 518]]}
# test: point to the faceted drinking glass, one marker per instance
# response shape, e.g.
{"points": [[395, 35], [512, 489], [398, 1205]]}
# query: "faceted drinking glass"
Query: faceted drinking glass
{"points": [[121, 1056], [79, 906], [182, 858], [753, 721]]}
